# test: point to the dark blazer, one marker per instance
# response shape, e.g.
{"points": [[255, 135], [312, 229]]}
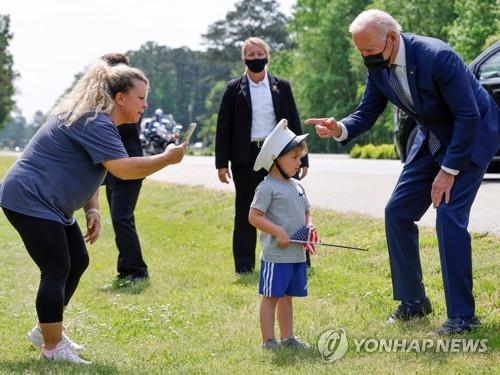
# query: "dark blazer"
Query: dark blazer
{"points": [[448, 100], [232, 142]]}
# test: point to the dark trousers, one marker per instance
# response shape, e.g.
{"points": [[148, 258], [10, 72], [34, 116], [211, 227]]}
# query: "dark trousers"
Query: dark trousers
{"points": [[244, 233], [122, 198], [59, 252], [409, 201]]}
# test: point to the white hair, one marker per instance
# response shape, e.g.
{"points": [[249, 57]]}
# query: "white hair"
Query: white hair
{"points": [[374, 19]]}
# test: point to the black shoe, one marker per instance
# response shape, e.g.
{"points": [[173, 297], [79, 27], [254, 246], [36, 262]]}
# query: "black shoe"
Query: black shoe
{"points": [[458, 325], [125, 280], [410, 310], [244, 272]]}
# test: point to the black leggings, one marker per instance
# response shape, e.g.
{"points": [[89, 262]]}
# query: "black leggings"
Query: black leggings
{"points": [[60, 253]]}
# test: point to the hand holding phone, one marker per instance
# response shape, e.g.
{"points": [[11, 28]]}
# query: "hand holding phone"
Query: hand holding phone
{"points": [[189, 132]]}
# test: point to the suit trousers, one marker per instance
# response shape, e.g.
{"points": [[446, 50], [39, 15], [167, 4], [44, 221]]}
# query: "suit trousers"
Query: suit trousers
{"points": [[122, 198], [409, 201]]}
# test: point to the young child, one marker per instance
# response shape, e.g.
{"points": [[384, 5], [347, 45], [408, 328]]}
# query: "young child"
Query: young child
{"points": [[279, 208]]}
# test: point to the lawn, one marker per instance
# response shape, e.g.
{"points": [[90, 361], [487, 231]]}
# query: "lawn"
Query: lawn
{"points": [[196, 317]]}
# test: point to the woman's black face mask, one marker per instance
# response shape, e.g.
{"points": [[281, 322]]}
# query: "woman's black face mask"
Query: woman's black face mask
{"points": [[377, 61], [256, 65]]}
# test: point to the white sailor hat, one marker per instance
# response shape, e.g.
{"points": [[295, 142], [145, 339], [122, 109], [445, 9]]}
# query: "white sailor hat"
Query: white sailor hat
{"points": [[279, 142]]}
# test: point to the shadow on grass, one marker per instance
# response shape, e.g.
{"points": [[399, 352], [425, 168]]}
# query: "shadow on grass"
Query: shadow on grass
{"points": [[283, 357], [36, 366], [419, 324], [247, 279], [126, 286]]}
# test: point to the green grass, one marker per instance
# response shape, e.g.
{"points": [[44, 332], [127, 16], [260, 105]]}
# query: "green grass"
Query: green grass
{"points": [[196, 317]]}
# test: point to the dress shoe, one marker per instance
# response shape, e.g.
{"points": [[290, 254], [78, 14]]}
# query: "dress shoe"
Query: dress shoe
{"points": [[408, 310], [122, 281], [244, 272], [458, 325]]}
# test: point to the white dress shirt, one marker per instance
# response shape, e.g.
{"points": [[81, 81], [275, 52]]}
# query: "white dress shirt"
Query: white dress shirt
{"points": [[400, 70], [263, 116]]}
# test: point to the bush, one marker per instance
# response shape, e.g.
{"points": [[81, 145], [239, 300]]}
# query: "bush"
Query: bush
{"points": [[356, 151], [371, 151], [388, 152]]}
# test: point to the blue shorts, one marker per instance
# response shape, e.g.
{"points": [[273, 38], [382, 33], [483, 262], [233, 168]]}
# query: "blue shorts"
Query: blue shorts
{"points": [[280, 279]]}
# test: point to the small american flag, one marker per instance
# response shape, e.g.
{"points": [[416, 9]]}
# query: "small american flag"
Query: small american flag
{"points": [[307, 236]]}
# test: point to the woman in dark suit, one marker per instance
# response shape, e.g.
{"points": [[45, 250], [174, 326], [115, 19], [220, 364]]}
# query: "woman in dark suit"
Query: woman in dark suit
{"points": [[251, 107]]}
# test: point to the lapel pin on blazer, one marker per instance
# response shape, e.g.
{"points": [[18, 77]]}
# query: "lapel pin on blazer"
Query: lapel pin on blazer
{"points": [[275, 88]]}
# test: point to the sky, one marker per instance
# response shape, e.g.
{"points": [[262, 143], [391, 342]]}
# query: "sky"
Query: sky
{"points": [[55, 39]]}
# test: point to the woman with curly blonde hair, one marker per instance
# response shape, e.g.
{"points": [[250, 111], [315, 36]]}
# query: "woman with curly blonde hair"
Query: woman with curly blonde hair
{"points": [[59, 172]]}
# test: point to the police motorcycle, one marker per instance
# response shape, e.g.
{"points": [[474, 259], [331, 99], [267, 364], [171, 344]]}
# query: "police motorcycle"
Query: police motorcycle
{"points": [[158, 132]]}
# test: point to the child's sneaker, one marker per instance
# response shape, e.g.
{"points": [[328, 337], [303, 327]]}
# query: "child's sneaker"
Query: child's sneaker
{"points": [[294, 343], [62, 352], [36, 338], [270, 345]]}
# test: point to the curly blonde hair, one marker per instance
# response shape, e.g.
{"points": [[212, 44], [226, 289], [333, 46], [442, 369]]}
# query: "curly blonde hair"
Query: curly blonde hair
{"points": [[95, 91]]}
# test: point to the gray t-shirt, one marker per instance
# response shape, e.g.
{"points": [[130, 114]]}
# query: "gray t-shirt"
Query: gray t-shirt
{"points": [[284, 203], [61, 168]]}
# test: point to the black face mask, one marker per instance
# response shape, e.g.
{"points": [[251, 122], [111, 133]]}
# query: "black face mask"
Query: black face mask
{"points": [[377, 61], [256, 65]]}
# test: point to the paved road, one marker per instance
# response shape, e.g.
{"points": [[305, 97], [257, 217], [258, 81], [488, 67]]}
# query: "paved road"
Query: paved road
{"points": [[342, 184]]}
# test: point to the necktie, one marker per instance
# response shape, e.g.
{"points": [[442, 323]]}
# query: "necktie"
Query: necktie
{"points": [[398, 90], [432, 141]]}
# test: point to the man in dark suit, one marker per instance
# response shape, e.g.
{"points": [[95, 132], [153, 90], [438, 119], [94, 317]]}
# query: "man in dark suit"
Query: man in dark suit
{"points": [[250, 108], [458, 134]]}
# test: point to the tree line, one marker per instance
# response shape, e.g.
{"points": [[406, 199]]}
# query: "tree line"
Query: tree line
{"points": [[312, 49]]}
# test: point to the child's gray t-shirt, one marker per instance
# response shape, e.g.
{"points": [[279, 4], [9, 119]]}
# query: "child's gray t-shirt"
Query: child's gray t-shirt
{"points": [[284, 203]]}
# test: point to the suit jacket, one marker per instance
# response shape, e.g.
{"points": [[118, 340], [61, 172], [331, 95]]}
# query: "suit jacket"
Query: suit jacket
{"points": [[234, 122], [448, 100]]}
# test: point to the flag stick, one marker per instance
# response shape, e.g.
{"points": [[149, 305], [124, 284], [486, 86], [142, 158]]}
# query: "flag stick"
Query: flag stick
{"points": [[329, 244]]}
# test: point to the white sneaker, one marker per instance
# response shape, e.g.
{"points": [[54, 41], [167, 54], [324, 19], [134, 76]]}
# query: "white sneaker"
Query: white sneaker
{"points": [[36, 338], [62, 352]]}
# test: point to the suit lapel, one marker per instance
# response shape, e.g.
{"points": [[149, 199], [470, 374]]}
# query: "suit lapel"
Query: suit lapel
{"points": [[274, 87], [245, 90]]}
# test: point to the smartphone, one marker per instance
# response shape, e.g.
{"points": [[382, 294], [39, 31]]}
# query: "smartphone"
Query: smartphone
{"points": [[189, 132]]}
